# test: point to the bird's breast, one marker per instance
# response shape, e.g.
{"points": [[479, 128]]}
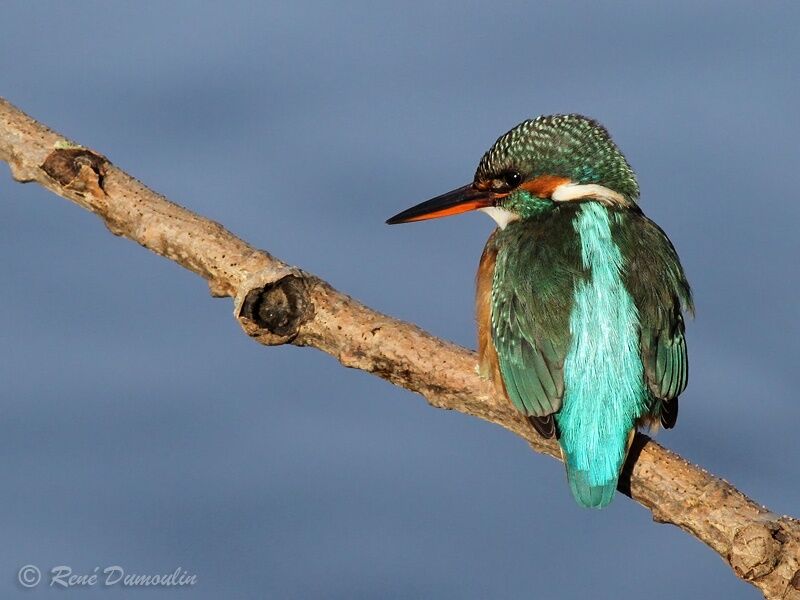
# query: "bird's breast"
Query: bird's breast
{"points": [[488, 363]]}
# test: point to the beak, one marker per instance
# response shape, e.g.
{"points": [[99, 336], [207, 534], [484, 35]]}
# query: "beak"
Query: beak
{"points": [[452, 203]]}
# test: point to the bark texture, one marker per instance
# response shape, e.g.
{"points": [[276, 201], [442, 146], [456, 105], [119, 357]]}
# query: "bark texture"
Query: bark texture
{"points": [[278, 304]]}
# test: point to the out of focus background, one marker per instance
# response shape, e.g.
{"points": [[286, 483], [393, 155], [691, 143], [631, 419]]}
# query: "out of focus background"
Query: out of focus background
{"points": [[140, 428]]}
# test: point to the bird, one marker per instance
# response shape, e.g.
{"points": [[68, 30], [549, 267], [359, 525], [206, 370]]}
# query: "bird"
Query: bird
{"points": [[581, 299]]}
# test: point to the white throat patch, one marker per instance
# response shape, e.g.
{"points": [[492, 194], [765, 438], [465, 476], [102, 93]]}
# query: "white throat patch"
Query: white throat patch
{"points": [[576, 191], [501, 216]]}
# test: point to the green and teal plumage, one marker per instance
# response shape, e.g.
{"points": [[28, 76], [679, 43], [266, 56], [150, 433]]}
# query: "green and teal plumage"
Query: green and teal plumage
{"points": [[587, 301]]}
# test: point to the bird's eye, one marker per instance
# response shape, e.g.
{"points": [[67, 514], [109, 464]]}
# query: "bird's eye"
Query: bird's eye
{"points": [[512, 179]]}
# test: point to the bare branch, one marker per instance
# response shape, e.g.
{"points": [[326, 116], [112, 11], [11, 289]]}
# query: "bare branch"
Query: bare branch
{"points": [[277, 304]]}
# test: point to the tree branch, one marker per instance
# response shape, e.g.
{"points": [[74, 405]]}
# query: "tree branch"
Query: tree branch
{"points": [[278, 304]]}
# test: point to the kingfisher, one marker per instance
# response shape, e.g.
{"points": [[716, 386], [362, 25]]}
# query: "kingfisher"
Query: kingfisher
{"points": [[580, 297]]}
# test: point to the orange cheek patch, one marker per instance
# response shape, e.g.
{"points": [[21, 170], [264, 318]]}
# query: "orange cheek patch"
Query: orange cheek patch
{"points": [[544, 185]]}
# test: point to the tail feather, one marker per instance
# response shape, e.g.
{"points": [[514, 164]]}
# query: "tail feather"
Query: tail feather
{"points": [[595, 490], [588, 495]]}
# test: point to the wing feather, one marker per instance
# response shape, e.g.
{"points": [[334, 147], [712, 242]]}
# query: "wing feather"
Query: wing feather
{"points": [[656, 281], [531, 299]]}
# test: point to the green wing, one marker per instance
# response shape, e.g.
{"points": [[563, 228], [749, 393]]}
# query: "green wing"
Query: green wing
{"points": [[659, 288], [537, 264], [532, 369], [666, 366]]}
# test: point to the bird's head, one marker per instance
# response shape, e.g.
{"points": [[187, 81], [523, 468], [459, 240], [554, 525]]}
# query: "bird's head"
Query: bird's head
{"points": [[537, 165]]}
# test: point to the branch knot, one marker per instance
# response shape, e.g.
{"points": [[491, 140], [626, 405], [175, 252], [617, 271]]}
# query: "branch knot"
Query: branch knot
{"points": [[755, 550], [273, 305], [77, 169]]}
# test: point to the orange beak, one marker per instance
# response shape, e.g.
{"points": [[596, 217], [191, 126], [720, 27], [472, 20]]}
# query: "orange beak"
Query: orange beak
{"points": [[452, 203]]}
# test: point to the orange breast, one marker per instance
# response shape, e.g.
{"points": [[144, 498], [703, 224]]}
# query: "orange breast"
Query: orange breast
{"points": [[487, 355]]}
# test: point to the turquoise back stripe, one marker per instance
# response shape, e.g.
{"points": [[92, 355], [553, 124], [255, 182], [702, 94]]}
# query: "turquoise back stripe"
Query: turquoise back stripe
{"points": [[603, 374]]}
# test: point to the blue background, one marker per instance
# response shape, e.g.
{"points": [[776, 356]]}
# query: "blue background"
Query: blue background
{"points": [[139, 427]]}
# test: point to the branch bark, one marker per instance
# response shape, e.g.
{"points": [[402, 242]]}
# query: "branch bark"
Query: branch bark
{"points": [[278, 304]]}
